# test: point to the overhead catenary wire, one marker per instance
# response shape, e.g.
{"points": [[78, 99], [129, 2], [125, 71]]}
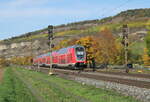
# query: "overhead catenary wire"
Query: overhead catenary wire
{"points": [[114, 9]]}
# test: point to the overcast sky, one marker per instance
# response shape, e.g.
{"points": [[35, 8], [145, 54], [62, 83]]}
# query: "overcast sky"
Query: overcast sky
{"points": [[21, 16]]}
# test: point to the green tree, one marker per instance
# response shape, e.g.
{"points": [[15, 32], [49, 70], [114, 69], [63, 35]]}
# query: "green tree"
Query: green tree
{"points": [[148, 38], [146, 55]]}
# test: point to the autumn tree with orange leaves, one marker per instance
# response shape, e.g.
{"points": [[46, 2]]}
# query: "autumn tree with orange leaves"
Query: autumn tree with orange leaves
{"points": [[102, 48], [108, 49]]}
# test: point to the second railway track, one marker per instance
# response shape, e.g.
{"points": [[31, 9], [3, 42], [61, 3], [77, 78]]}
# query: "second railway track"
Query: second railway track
{"points": [[106, 76]]}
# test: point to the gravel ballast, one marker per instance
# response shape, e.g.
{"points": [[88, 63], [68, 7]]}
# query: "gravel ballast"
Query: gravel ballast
{"points": [[118, 76], [141, 94]]}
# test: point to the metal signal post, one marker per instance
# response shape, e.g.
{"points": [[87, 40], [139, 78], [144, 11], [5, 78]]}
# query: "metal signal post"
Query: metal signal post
{"points": [[50, 37], [125, 31]]}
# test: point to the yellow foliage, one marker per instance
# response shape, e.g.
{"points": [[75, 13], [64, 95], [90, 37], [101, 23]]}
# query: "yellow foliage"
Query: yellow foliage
{"points": [[88, 42], [62, 44], [22, 60], [146, 58], [140, 71], [108, 51], [3, 62]]}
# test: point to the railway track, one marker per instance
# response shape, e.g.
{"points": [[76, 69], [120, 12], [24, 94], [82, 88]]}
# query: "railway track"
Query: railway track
{"points": [[137, 83], [126, 79], [127, 74], [112, 73]]}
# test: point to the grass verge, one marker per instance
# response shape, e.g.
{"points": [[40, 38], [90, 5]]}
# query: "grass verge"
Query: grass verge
{"points": [[56, 89], [13, 90], [1, 75]]}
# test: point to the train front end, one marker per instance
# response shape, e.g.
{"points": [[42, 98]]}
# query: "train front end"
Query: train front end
{"points": [[80, 55]]}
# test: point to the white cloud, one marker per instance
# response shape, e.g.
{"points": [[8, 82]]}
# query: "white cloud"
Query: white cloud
{"points": [[20, 3], [32, 12], [32, 8]]}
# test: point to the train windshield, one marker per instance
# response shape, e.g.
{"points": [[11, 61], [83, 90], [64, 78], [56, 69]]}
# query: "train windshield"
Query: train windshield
{"points": [[80, 53]]}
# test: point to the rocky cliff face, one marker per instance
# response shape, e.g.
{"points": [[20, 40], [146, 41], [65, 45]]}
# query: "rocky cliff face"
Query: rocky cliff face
{"points": [[29, 48], [18, 49]]}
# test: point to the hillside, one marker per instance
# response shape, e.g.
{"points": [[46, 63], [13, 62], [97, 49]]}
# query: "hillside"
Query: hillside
{"points": [[136, 19]]}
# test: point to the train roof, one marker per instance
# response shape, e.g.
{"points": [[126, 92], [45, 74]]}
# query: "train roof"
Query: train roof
{"points": [[47, 54], [60, 51], [64, 50]]}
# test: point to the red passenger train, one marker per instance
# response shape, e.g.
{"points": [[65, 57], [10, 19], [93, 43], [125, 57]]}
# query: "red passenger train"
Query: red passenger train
{"points": [[71, 57]]}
